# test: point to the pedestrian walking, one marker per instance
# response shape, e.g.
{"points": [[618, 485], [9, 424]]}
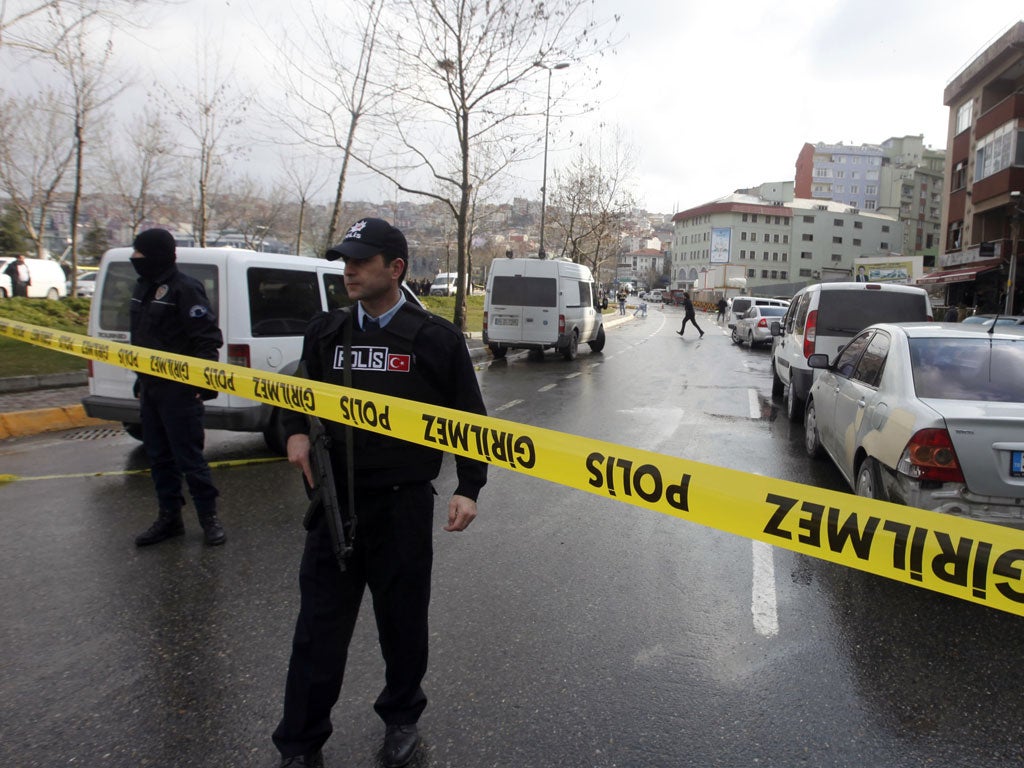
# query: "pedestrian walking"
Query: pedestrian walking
{"points": [[689, 316], [641, 308], [171, 313], [386, 484], [722, 306], [621, 296]]}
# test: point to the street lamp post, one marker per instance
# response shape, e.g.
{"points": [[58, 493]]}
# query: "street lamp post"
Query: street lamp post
{"points": [[1011, 279], [544, 180]]}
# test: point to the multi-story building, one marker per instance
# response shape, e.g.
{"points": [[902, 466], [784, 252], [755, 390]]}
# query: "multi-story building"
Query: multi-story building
{"points": [[900, 177], [980, 247], [641, 267], [776, 242]]}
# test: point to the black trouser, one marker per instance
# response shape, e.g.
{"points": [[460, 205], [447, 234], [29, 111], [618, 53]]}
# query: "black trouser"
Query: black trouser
{"points": [[393, 555], [691, 319], [172, 433]]}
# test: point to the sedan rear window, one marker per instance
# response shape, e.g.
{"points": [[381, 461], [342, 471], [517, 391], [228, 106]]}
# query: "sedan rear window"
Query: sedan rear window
{"points": [[968, 369]]}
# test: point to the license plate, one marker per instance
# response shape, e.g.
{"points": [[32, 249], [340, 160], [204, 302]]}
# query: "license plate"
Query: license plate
{"points": [[1017, 464], [505, 320]]}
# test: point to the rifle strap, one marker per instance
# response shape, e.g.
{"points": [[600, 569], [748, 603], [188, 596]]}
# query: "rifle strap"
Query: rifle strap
{"points": [[350, 470]]}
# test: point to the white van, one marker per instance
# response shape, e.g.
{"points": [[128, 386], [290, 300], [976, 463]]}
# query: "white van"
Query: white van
{"points": [[48, 279], [445, 284], [263, 303], [822, 318], [538, 304]]}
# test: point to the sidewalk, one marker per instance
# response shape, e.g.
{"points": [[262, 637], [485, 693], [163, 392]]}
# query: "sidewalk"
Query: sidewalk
{"points": [[30, 405]]}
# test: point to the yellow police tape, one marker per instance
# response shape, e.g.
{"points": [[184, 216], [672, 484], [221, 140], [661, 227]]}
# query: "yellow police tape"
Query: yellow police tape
{"points": [[966, 559]]}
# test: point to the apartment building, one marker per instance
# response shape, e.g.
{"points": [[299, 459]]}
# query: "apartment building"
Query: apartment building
{"points": [[779, 244], [980, 248]]}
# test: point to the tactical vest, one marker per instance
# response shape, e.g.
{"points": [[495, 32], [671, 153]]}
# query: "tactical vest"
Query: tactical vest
{"points": [[383, 362]]}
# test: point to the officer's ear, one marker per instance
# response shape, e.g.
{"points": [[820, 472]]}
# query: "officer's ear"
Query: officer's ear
{"points": [[398, 268]]}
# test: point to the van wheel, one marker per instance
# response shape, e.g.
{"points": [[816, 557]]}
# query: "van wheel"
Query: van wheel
{"points": [[52, 294], [498, 350], [273, 434], [794, 405], [598, 343], [778, 385], [133, 430], [569, 353], [3, 293]]}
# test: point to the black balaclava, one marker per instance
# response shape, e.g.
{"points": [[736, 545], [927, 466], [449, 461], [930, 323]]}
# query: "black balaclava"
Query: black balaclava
{"points": [[157, 248]]}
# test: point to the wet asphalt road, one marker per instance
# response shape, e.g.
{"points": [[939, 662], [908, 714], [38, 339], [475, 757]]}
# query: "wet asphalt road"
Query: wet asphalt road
{"points": [[566, 630]]}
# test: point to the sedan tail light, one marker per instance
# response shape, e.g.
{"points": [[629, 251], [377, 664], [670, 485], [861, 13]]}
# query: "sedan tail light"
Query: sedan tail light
{"points": [[810, 333], [762, 323], [930, 456]]}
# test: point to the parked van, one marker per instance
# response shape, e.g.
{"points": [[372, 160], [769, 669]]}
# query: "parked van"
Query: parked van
{"points": [[822, 318], [48, 279], [539, 304], [740, 305], [445, 284], [263, 303]]}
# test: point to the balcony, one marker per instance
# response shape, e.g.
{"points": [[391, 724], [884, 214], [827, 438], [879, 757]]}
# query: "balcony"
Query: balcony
{"points": [[1012, 107]]}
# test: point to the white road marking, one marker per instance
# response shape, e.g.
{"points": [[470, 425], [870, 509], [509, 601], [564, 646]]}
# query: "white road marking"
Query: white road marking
{"points": [[546, 387], [573, 375], [755, 404], [763, 604], [509, 404]]}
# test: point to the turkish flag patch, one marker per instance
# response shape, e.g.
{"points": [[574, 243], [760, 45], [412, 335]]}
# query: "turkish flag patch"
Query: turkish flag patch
{"points": [[399, 363]]}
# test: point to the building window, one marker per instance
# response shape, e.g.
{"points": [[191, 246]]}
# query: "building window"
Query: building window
{"points": [[858, 225], [885, 227], [766, 237], [764, 273], [836, 257], [805, 273], [963, 116], [869, 205], [775, 274], [870, 189], [806, 255], [743, 254], [775, 256], [884, 246], [751, 273], [959, 175], [785, 257], [855, 189], [785, 239], [775, 238], [744, 217], [808, 219], [856, 241], [753, 218], [995, 151], [807, 237], [837, 240], [783, 275], [743, 235], [764, 257], [837, 222]]}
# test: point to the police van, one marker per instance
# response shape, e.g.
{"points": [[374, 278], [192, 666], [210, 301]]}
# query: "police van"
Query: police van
{"points": [[540, 304], [263, 303]]}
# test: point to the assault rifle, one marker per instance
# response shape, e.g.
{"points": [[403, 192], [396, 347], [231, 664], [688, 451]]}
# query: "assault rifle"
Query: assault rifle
{"points": [[324, 494]]}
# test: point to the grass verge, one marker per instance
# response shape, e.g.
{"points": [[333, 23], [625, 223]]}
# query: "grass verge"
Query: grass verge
{"points": [[18, 358]]}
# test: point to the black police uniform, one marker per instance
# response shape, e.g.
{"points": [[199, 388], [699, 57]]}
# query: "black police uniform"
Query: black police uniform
{"points": [[171, 313], [416, 356]]}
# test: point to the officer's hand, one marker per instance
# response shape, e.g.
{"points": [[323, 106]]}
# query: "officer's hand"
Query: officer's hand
{"points": [[461, 512], [298, 455]]}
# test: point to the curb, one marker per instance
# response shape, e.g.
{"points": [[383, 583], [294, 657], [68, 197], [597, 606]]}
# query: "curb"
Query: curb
{"points": [[13, 384], [27, 423]]}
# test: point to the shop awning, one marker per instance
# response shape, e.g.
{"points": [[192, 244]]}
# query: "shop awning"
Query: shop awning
{"points": [[961, 274]]}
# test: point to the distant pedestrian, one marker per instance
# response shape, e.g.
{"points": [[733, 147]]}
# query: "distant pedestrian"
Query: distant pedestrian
{"points": [[689, 316], [21, 279], [641, 309], [952, 315], [622, 301], [722, 305]]}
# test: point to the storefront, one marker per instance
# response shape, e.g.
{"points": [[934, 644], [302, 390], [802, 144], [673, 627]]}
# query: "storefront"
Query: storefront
{"points": [[977, 286]]}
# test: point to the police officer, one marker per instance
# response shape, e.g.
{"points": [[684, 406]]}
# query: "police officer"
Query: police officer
{"points": [[426, 360], [170, 313]]}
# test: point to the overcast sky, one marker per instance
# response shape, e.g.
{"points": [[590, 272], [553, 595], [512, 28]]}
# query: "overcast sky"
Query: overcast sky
{"points": [[716, 95]]}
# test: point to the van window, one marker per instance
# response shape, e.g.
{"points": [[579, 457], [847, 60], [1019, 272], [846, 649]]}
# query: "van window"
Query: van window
{"points": [[800, 317], [281, 301], [739, 306], [334, 288], [580, 297], [119, 285], [845, 313], [519, 291]]}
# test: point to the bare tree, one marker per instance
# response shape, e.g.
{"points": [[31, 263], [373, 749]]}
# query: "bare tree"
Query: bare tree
{"points": [[137, 174], [20, 21], [82, 51], [247, 209], [304, 180], [464, 107], [590, 199], [209, 110], [328, 92], [36, 150]]}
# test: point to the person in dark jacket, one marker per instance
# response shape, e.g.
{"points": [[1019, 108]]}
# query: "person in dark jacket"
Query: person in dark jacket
{"points": [[393, 347], [722, 306], [689, 316], [20, 277], [170, 313]]}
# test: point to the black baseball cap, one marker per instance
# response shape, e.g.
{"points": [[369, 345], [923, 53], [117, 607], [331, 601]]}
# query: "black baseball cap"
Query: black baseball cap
{"points": [[368, 237]]}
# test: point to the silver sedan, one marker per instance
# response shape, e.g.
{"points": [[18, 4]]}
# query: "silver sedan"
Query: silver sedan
{"points": [[930, 415], [755, 325]]}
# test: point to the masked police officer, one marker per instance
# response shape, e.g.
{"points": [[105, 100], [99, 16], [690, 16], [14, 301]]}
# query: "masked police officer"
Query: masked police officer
{"points": [[426, 360], [170, 313]]}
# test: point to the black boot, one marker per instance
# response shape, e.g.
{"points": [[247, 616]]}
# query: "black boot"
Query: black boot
{"points": [[213, 531], [168, 525]]}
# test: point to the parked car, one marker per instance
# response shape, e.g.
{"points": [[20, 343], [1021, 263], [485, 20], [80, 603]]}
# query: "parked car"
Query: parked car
{"points": [[822, 318], [740, 304], [1003, 321], [86, 284], [930, 415], [754, 327]]}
